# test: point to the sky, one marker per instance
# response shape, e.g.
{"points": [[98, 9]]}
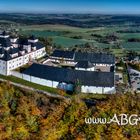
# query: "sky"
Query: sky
{"points": [[71, 6]]}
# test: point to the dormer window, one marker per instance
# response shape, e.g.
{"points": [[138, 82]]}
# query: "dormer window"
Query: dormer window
{"points": [[27, 48], [14, 55], [34, 48], [22, 52], [6, 48], [13, 40], [4, 35], [15, 45], [32, 39], [1, 55]]}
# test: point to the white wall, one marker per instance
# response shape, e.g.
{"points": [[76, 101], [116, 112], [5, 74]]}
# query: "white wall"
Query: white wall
{"points": [[59, 59], [6, 68], [13, 40], [104, 64], [16, 74], [3, 67], [33, 41], [40, 81], [100, 90], [84, 89], [14, 63], [4, 36], [54, 84], [88, 69], [26, 77]]}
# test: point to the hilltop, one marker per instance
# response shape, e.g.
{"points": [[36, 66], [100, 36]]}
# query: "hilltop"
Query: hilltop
{"points": [[27, 115]]}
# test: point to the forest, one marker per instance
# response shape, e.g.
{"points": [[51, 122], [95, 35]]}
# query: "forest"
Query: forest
{"points": [[76, 20], [25, 115]]}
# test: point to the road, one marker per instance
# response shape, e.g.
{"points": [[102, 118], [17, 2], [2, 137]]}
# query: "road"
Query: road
{"points": [[135, 79]]}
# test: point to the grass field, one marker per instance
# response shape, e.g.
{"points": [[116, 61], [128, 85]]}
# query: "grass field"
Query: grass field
{"points": [[135, 46], [129, 35], [62, 35], [68, 42], [118, 52], [26, 83], [57, 28], [43, 33]]}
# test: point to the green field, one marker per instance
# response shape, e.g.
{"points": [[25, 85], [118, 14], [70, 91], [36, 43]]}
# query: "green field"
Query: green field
{"points": [[44, 33], [129, 35], [135, 46], [63, 35], [118, 52], [57, 28], [68, 42]]}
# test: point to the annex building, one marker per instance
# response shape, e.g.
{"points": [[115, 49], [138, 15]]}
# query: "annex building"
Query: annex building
{"points": [[98, 59], [67, 79]]}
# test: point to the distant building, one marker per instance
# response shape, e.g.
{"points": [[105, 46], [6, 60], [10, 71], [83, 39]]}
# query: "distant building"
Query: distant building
{"points": [[16, 52]]}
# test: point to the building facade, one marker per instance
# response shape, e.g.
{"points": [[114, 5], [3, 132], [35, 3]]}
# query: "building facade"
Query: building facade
{"points": [[16, 52], [84, 60]]}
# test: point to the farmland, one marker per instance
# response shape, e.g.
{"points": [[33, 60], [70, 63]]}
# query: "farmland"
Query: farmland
{"points": [[70, 30], [64, 36], [134, 46], [61, 35]]}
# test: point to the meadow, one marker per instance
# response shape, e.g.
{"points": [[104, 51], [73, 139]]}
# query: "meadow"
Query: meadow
{"points": [[61, 35], [134, 46], [68, 36]]}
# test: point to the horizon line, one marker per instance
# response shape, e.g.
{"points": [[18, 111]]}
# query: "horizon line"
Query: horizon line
{"points": [[82, 13]]}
